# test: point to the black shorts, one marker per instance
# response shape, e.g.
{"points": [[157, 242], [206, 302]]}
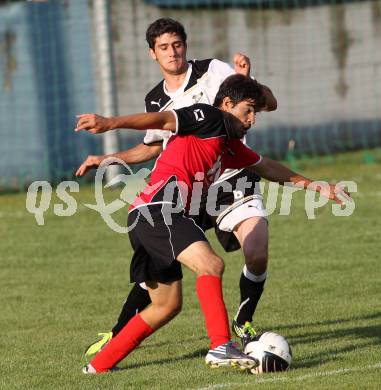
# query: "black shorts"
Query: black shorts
{"points": [[157, 239]]}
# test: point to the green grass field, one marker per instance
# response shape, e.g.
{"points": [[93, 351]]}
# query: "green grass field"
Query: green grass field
{"points": [[63, 282]]}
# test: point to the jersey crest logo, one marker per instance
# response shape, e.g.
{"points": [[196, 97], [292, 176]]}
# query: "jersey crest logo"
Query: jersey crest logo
{"points": [[238, 194], [157, 103], [199, 115], [197, 98]]}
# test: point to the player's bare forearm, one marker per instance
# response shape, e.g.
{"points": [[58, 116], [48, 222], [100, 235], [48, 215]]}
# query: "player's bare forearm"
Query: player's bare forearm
{"points": [[138, 154], [274, 171], [164, 120], [96, 124]]}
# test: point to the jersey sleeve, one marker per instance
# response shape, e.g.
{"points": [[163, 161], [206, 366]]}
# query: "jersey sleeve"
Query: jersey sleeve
{"points": [[219, 70], [155, 136], [202, 120], [240, 156]]}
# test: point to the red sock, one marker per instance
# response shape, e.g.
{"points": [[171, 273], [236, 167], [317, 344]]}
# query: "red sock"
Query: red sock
{"points": [[122, 344], [209, 291]]}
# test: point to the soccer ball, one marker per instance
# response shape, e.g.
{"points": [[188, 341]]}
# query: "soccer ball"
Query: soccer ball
{"points": [[272, 351]]}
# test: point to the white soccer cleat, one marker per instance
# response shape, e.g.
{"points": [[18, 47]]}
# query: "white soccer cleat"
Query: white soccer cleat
{"points": [[228, 355]]}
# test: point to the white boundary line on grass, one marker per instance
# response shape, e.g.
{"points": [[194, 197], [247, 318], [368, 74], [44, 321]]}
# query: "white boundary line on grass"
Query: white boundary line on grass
{"points": [[261, 380]]}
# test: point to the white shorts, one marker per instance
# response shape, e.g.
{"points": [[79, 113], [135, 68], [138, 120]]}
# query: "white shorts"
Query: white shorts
{"points": [[250, 206]]}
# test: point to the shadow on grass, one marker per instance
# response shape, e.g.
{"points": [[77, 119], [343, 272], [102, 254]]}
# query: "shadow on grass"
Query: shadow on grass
{"points": [[183, 341], [323, 357], [360, 332], [364, 337], [329, 322], [200, 353]]}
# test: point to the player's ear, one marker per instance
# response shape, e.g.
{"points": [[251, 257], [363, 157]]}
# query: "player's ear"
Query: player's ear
{"points": [[152, 54], [226, 104]]}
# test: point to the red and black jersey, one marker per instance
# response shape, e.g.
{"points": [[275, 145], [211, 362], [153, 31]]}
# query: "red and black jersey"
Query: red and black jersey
{"points": [[201, 149]]}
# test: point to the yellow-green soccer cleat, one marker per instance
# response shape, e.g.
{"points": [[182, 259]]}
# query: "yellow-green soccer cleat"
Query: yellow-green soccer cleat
{"points": [[94, 348], [245, 332]]}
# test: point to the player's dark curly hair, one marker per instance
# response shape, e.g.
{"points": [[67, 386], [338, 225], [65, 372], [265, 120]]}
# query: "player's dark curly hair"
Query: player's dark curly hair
{"points": [[163, 26], [238, 88]]}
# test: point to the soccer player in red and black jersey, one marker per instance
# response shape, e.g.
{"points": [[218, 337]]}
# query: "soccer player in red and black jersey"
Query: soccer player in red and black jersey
{"points": [[243, 224], [206, 142]]}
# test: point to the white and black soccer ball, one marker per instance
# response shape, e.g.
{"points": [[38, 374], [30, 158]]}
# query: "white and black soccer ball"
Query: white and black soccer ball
{"points": [[272, 351]]}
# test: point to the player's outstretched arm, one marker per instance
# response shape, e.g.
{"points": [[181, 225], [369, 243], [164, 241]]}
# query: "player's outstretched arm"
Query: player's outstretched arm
{"points": [[274, 171], [96, 124], [136, 155]]}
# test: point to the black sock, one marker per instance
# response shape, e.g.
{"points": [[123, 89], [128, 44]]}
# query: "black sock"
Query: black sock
{"points": [[137, 300], [250, 294]]}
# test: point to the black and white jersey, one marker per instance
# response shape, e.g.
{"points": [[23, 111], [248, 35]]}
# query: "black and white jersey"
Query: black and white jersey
{"points": [[201, 85]]}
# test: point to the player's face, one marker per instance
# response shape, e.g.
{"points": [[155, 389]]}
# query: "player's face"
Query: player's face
{"points": [[170, 52], [244, 111]]}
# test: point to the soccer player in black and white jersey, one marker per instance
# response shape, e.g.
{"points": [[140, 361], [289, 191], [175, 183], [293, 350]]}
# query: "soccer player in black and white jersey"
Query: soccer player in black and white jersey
{"points": [[244, 223], [206, 142]]}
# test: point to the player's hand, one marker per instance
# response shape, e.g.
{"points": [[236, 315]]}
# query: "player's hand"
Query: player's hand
{"points": [[91, 162], [93, 123], [241, 64], [336, 193]]}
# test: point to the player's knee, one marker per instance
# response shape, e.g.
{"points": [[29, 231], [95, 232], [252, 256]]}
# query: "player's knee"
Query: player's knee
{"points": [[213, 265], [172, 308], [256, 257], [219, 268], [176, 309]]}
